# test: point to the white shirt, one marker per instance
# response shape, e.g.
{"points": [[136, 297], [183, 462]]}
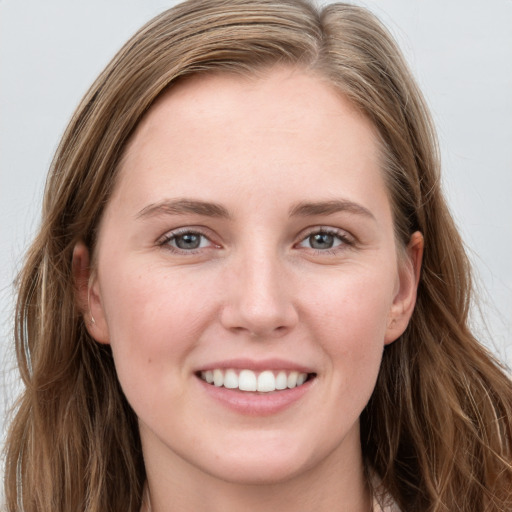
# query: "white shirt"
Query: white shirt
{"points": [[388, 506]]}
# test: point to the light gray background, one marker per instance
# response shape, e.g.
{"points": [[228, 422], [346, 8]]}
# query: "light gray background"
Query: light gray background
{"points": [[460, 52]]}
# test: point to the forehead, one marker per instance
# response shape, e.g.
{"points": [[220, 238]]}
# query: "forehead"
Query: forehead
{"points": [[281, 125], [263, 99]]}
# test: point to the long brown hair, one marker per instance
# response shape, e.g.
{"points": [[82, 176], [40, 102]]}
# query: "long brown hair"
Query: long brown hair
{"points": [[438, 428]]}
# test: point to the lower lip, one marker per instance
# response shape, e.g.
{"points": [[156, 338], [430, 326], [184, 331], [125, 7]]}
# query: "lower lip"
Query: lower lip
{"points": [[256, 404]]}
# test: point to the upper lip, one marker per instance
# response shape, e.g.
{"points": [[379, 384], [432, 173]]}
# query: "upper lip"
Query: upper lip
{"points": [[256, 365]]}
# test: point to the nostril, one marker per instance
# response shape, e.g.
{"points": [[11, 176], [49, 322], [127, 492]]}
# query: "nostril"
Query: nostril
{"points": [[267, 333]]}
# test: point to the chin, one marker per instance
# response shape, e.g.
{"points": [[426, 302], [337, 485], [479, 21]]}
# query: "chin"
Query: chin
{"points": [[259, 473], [259, 466]]}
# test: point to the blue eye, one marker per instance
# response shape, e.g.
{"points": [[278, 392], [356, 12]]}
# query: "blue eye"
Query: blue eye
{"points": [[324, 240], [186, 241]]}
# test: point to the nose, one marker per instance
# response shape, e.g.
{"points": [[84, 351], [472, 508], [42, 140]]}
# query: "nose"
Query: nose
{"points": [[260, 299]]}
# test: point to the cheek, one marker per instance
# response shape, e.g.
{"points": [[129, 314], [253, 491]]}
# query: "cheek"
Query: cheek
{"points": [[156, 304], [349, 304], [349, 318], [153, 318]]}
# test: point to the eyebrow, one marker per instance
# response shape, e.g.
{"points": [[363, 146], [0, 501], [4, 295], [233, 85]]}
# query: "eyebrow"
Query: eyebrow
{"points": [[208, 209], [183, 206], [310, 209]]}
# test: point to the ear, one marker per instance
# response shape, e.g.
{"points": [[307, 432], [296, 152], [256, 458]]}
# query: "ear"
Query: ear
{"points": [[87, 293], [407, 286]]}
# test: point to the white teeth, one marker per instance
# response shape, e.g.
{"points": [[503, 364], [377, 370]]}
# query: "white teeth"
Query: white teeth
{"points": [[266, 381], [218, 378], [247, 380], [230, 379], [292, 379], [281, 380]]}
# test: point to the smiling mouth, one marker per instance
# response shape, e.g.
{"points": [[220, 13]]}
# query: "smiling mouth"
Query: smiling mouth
{"points": [[247, 380]]}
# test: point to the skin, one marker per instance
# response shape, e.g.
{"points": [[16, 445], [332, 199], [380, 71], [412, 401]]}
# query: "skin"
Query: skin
{"points": [[255, 288]]}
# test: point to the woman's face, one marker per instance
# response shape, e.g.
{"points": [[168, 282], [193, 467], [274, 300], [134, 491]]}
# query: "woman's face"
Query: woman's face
{"points": [[250, 240]]}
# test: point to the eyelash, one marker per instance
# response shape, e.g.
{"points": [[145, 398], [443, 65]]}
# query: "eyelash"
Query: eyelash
{"points": [[346, 241], [166, 240]]}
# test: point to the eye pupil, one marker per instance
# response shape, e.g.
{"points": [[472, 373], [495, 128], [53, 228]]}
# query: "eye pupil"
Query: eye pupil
{"points": [[188, 241], [321, 241]]}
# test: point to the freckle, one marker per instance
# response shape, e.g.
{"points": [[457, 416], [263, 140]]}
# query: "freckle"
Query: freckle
{"points": [[149, 361]]}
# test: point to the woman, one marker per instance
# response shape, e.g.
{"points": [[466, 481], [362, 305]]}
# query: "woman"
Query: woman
{"points": [[248, 292]]}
